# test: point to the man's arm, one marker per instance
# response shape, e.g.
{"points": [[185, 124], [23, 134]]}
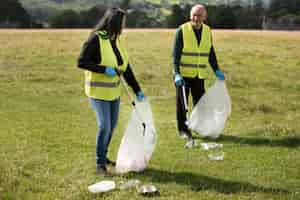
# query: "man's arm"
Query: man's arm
{"points": [[177, 50], [213, 59]]}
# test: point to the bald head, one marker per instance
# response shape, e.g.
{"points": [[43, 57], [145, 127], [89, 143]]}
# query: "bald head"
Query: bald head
{"points": [[198, 15]]}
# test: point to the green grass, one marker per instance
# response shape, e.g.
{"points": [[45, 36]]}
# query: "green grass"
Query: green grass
{"points": [[47, 129]]}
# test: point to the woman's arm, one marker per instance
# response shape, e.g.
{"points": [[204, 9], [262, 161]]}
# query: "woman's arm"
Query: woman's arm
{"points": [[90, 56], [130, 79]]}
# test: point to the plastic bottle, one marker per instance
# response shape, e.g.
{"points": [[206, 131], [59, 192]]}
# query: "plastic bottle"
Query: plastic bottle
{"points": [[129, 184], [218, 156]]}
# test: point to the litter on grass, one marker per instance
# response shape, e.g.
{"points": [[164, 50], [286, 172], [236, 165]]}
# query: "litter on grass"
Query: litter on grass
{"points": [[148, 190], [102, 186], [218, 156], [132, 183], [205, 146], [210, 145]]}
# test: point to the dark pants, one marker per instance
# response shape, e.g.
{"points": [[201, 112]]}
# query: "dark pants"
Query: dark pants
{"points": [[197, 88]]}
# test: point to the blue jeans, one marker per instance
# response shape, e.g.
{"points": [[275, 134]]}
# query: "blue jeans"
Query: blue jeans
{"points": [[107, 113]]}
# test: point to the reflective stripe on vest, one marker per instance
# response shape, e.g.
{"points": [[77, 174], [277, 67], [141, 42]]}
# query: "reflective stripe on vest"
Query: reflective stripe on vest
{"points": [[103, 84], [99, 85], [192, 65], [194, 54], [194, 57]]}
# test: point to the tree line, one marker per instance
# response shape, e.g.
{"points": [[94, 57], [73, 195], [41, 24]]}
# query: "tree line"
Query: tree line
{"points": [[12, 14], [165, 15]]}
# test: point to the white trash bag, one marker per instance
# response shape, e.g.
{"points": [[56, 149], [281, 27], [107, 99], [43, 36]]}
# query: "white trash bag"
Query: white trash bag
{"points": [[138, 143], [210, 113]]}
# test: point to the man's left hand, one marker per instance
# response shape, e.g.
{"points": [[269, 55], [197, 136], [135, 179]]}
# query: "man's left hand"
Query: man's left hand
{"points": [[140, 96], [220, 75]]}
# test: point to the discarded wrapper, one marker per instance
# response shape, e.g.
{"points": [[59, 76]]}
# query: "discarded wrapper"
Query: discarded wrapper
{"points": [[147, 190], [129, 184], [216, 156], [210, 145], [190, 144], [102, 186]]}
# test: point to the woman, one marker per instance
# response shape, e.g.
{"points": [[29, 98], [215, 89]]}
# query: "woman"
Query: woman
{"points": [[103, 58]]}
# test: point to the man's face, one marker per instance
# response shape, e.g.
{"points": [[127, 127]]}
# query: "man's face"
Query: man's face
{"points": [[198, 15]]}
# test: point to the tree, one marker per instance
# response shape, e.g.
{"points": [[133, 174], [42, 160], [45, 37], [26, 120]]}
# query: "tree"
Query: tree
{"points": [[176, 18], [90, 17], [138, 19], [212, 15], [12, 14], [225, 17], [125, 4], [291, 6], [66, 19]]}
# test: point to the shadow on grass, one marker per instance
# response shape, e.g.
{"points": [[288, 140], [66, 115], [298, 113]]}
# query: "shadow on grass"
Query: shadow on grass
{"points": [[200, 182], [290, 142]]}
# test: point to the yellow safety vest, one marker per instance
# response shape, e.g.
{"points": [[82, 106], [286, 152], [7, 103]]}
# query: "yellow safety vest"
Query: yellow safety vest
{"points": [[101, 86], [194, 57]]}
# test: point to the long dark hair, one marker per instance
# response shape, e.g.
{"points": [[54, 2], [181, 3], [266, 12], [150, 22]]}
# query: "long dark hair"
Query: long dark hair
{"points": [[111, 22]]}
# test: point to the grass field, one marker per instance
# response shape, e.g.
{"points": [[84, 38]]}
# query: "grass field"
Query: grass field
{"points": [[47, 129]]}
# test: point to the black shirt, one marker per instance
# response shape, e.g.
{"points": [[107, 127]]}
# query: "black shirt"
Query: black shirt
{"points": [[178, 46], [90, 58]]}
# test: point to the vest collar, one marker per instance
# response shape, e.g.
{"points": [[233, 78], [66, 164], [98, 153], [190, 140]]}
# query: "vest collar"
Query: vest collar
{"points": [[103, 35]]}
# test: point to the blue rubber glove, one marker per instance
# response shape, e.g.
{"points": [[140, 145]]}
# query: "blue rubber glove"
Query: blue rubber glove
{"points": [[109, 71], [220, 75], [140, 96], [178, 80]]}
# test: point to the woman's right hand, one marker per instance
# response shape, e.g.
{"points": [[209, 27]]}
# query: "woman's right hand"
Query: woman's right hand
{"points": [[110, 71], [140, 96]]}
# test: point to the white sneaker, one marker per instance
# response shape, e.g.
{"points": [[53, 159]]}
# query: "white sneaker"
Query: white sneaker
{"points": [[190, 144], [184, 135]]}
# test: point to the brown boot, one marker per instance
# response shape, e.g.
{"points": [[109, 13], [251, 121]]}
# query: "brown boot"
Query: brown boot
{"points": [[102, 170]]}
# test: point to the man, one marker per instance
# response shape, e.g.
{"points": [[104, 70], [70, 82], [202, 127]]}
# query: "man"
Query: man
{"points": [[193, 51]]}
